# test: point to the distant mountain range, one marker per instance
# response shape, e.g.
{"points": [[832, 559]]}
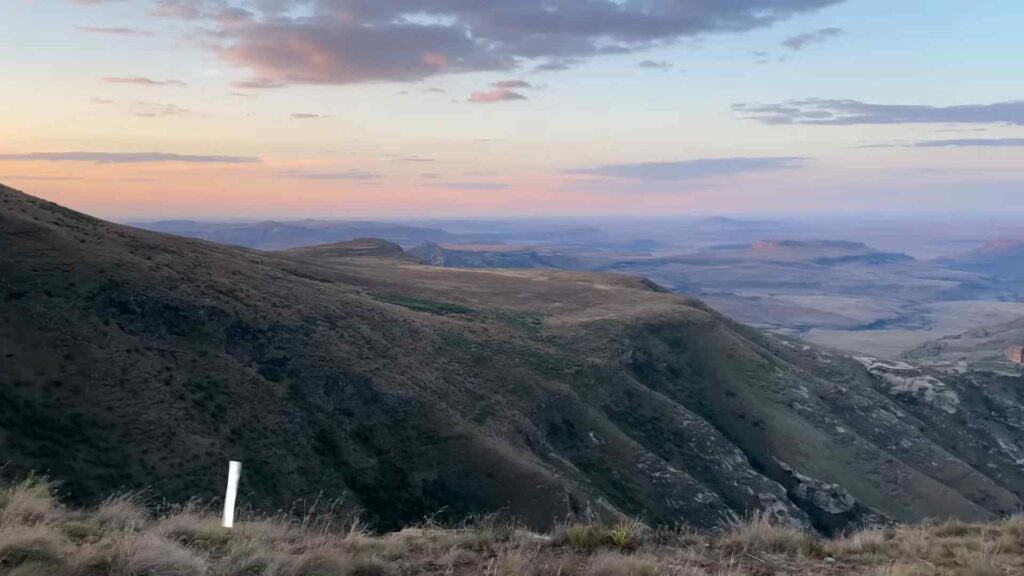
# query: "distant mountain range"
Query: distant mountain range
{"points": [[136, 359], [271, 235], [1003, 259]]}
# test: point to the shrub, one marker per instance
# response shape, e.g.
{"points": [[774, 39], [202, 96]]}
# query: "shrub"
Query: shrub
{"points": [[626, 535]]}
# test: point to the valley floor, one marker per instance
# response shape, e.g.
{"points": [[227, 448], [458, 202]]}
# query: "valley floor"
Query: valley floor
{"points": [[125, 537]]}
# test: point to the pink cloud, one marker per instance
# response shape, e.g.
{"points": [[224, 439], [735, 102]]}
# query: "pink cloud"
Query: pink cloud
{"points": [[142, 81], [495, 96]]}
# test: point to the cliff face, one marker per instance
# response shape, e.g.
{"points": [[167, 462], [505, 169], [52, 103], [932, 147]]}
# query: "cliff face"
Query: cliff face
{"points": [[134, 359]]}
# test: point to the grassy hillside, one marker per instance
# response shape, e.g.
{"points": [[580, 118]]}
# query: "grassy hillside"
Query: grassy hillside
{"points": [[133, 359], [124, 537]]}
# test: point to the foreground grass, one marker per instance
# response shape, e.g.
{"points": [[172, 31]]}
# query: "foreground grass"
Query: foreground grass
{"points": [[121, 537]]}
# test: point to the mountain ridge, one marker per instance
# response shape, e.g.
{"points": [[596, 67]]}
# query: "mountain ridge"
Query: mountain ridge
{"points": [[137, 359]]}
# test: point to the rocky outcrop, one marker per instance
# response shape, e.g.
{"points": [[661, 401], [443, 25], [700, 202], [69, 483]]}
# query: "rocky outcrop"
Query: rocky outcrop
{"points": [[831, 508]]}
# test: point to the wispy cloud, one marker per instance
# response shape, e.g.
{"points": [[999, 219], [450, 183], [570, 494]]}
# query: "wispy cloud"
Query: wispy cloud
{"points": [[142, 81], [654, 65], [115, 31], [825, 112], [801, 41], [98, 100], [409, 159], [691, 169], [968, 142], [556, 65], [512, 84], [472, 186], [350, 175], [158, 109], [257, 84], [129, 157], [307, 116], [957, 143]]}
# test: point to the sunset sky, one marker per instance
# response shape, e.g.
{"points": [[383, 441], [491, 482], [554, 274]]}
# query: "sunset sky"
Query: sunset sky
{"points": [[405, 108]]}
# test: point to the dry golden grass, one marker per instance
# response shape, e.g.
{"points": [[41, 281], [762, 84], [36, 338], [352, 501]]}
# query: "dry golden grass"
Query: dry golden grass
{"points": [[30, 501], [122, 537], [763, 534]]}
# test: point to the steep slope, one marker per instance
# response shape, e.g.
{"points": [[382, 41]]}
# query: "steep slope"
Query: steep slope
{"points": [[133, 359], [981, 348]]}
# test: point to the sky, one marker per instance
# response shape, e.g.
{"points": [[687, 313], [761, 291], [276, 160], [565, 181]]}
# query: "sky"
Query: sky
{"points": [[206, 109]]}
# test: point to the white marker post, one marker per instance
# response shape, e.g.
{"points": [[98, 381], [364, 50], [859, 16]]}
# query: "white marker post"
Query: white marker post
{"points": [[234, 471]]}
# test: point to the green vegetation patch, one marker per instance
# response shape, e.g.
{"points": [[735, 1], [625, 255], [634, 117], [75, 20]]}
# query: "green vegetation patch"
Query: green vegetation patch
{"points": [[428, 306], [519, 319]]}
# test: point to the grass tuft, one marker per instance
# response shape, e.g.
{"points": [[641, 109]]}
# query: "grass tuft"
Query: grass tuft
{"points": [[151, 555], [762, 532], [39, 544], [587, 536], [122, 512], [31, 501], [626, 535]]}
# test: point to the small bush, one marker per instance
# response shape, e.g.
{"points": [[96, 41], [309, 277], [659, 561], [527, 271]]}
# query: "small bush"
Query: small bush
{"points": [[626, 535]]}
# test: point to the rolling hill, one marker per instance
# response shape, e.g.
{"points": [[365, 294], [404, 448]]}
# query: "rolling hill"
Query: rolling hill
{"points": [[273, 235], [1003, 259], [135, 359]]}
